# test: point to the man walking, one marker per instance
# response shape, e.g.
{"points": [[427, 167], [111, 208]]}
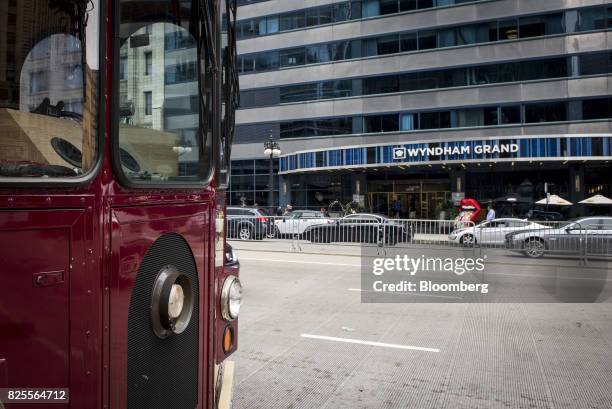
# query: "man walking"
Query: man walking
{"points": [[490, 213]]}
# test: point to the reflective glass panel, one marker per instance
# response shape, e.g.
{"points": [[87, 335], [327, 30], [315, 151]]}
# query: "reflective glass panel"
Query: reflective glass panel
{"points": [[161, 127], [48, 89]]}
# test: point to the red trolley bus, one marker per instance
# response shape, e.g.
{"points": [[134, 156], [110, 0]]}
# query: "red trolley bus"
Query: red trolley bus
{"points": [[116, 119]]}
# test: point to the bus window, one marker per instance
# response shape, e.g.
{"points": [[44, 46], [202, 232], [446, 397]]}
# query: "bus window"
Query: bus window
{"points": [[47, 94], [160, 109]]}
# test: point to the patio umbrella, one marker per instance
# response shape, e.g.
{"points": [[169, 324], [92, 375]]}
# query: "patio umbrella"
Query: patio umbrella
{"points": [[554, 200], [597, 200]]}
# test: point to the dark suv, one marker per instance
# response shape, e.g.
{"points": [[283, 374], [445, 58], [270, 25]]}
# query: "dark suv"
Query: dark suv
{"points": [[248, 223]]}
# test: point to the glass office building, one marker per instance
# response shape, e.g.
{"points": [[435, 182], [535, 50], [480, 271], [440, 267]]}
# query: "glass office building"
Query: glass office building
{"points": [[424, 101]]}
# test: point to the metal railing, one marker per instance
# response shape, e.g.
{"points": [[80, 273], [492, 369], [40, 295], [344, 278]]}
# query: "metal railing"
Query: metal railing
{"points": [[532, 239]]}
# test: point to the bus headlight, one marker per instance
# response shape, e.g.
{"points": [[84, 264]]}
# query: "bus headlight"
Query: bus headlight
{"points": [[171, 302], [231, 298], [176, 301]]}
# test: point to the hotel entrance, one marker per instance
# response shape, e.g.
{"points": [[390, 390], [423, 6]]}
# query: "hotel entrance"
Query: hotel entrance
{"points": [[414, 199]]}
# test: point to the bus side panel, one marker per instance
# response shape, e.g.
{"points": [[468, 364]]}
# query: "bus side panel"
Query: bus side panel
{"points": [[48, 315], [146, 233]]}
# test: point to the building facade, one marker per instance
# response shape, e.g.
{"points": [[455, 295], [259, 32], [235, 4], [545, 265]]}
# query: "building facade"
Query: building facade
{"points": [[422, 102]]}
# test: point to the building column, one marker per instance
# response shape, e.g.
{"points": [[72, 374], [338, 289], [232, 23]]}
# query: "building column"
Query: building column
{"points": [[576, 189], [284, 190], [458, 181], [358, 185]]}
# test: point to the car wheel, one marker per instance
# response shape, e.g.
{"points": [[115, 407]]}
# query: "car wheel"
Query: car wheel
{"points": [[534, 247], [468, 240], [245, 233]]}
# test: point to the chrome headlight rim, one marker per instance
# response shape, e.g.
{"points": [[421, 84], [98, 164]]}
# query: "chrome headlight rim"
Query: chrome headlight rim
{"points": [[166, 321], [226, 292]]}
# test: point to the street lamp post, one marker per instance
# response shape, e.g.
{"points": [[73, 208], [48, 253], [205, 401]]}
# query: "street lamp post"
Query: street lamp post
{"points": [[271, 150]]}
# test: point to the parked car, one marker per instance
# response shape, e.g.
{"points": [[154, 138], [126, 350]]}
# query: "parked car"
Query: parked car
{"points": [[587, 235], [360, 228], [491, 232], [299, 220], [247, 223], [231, 260]]}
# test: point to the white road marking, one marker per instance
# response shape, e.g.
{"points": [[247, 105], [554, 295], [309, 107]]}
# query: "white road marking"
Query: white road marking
{"points": [[359, 290], [370, 343], [300, 262]]}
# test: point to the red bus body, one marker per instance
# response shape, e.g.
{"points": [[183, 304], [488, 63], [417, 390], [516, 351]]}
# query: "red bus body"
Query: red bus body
{"points": [[69, 261]]}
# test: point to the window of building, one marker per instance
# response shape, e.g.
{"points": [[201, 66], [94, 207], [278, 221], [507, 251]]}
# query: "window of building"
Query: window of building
{"points": [[541, 69], [246, 63], [247, 29], [292, 21], [293, 56], [381, 85], [408, 122], [349, 10], [148, 96], [545, 24], [541, 25], [123, 68], [317, 53], [425, 80], [408, 42], [592, 19], [267, 61], [370, 8], [600, 108], [508, 30], [429, 120], [546, 112], [185, 71], [595, 63], [39, 81], [388, 7], [510, 114], [312, 17], [344, 50], [596, 108], [407, 5], [446, 38], [148, 61], [425, 4], [388, 45], [427, 40], [175, 41], [73, 76], [467, 117], [490, 116], [325, 15]]}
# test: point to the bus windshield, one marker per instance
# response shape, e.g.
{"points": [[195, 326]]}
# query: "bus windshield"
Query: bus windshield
{"points": [[48, 88], [164, 123]]}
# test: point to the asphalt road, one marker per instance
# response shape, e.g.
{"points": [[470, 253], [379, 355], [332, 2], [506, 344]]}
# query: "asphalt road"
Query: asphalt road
{"points": [[306, 340]]}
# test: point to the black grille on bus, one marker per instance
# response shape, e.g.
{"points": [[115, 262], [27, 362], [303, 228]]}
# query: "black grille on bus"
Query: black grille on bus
{"points": [[162, 373]]}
